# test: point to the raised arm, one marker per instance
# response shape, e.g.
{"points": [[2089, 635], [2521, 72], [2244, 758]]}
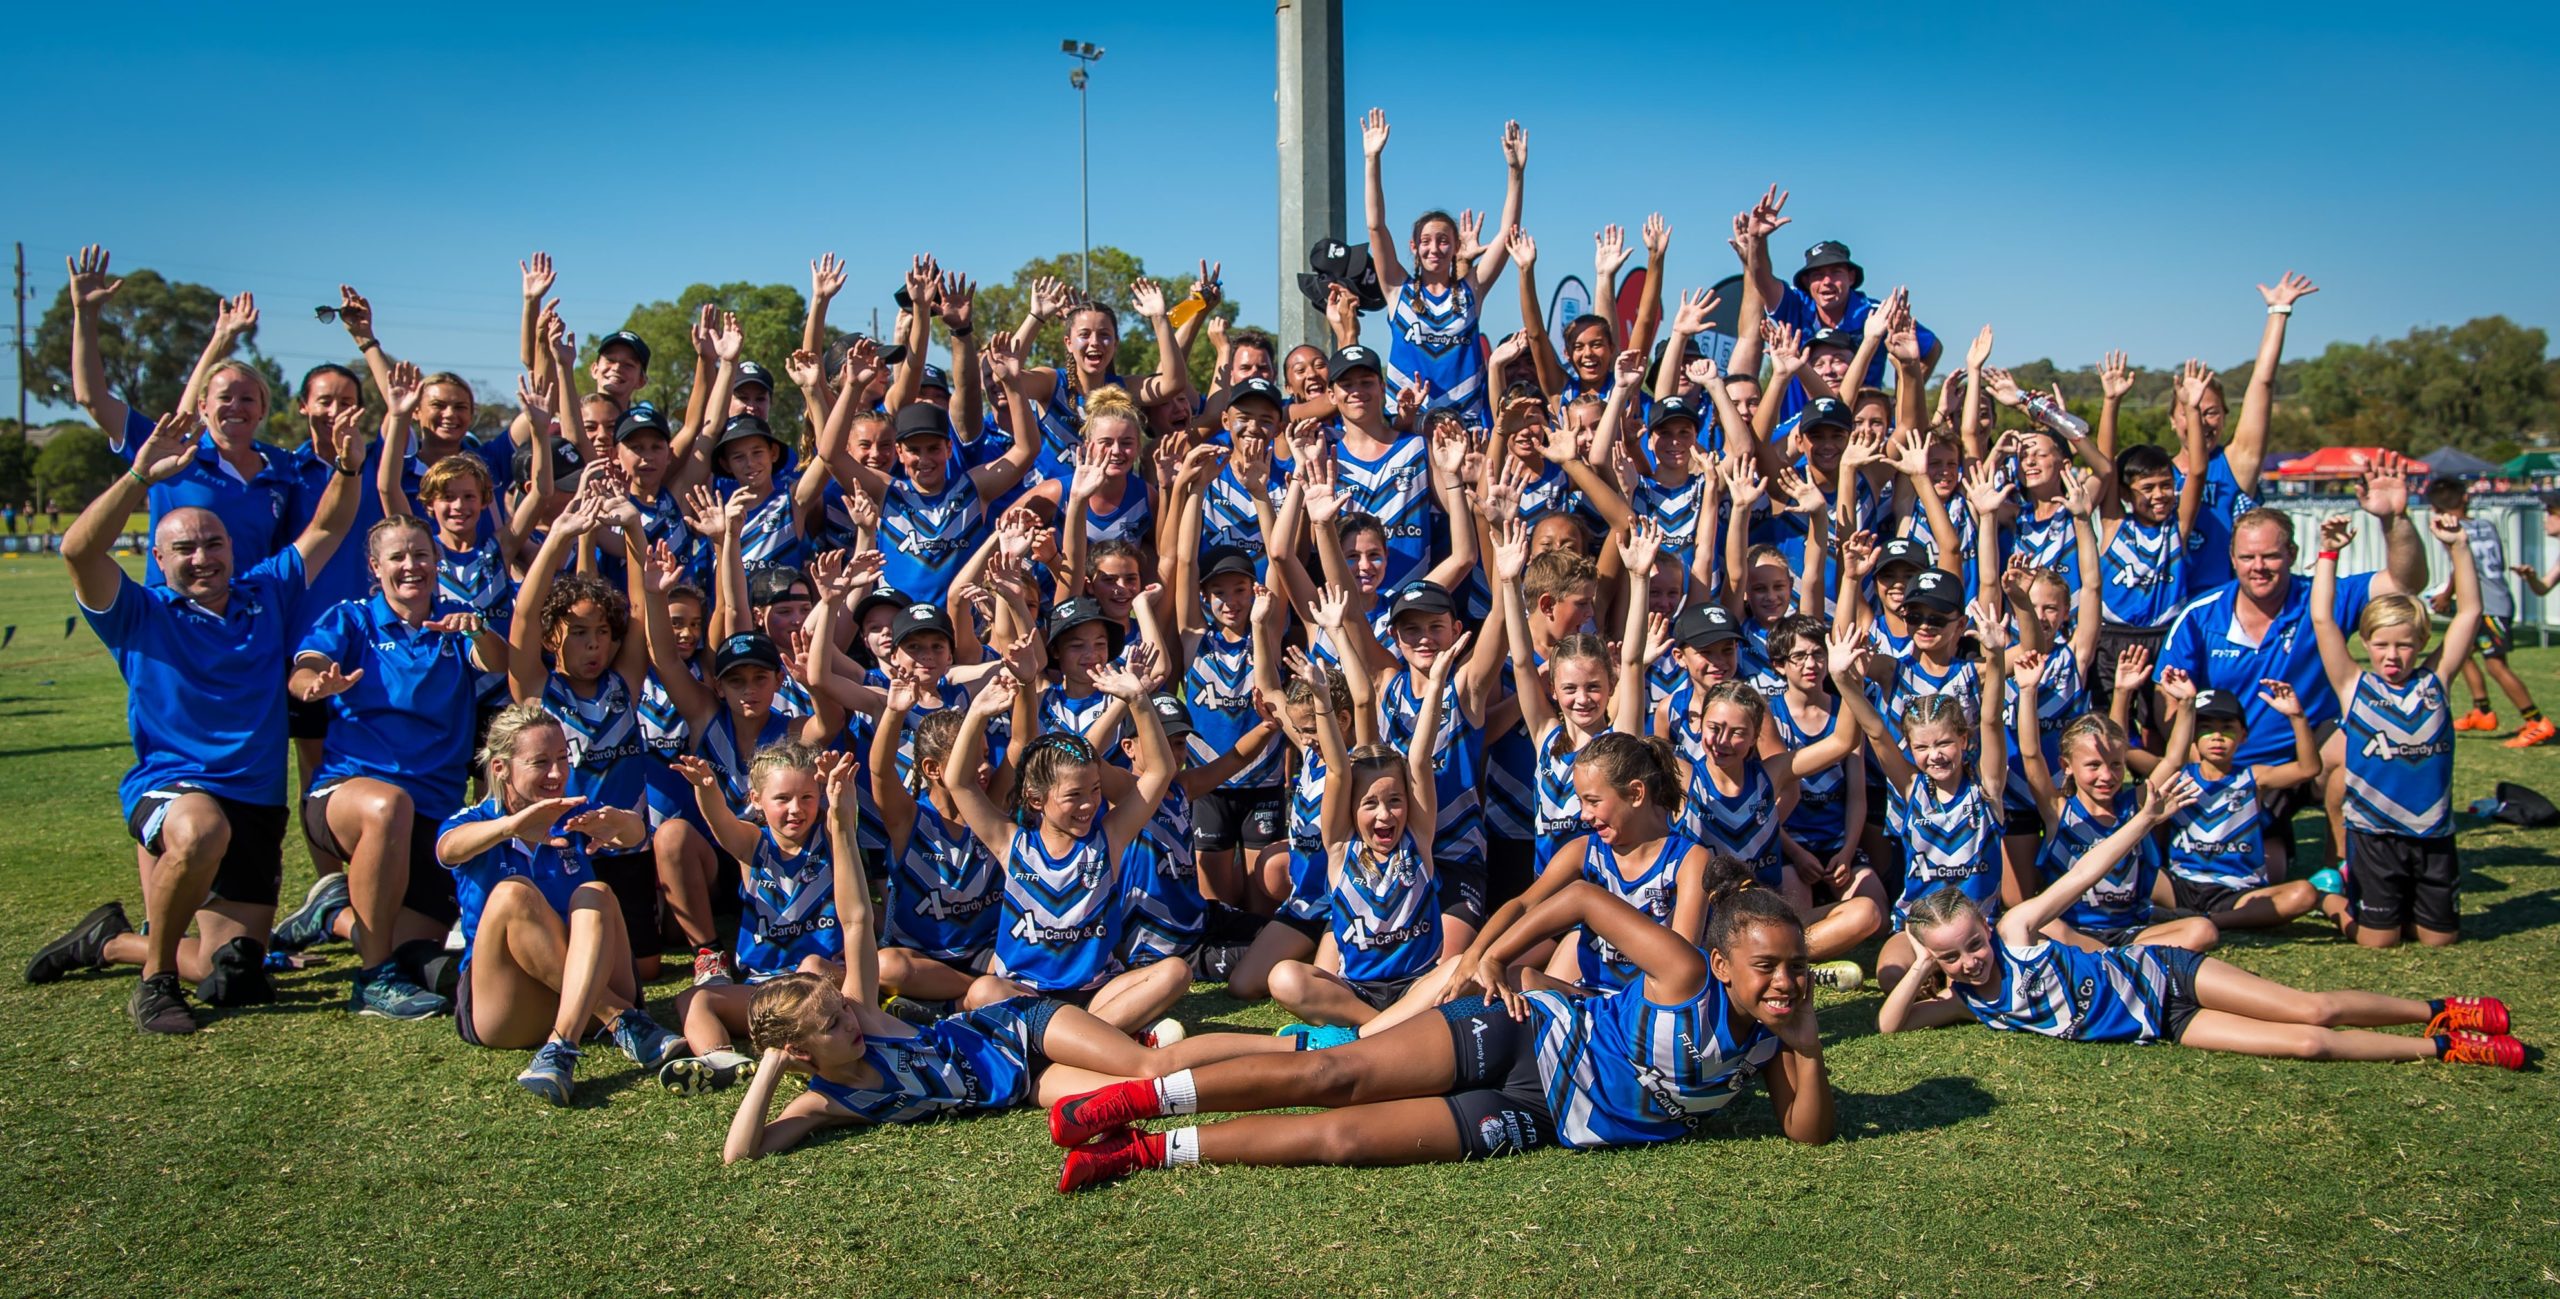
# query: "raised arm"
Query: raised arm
{"points": [[735, 837], [1373, 201], [1847, 654], [1515, 161], [2247, 452], [992, 824], [2336, 659], [2168, 793], [2464, 628]]}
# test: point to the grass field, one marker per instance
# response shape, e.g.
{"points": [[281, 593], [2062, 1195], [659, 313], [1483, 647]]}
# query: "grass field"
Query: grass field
{"points": [[293, 1150]]}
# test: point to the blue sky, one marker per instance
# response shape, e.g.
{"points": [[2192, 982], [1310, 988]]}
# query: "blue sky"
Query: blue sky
{"points": [[2083, 181]]}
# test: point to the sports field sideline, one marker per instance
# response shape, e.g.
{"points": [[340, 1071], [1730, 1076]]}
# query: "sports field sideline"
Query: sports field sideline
{"points": [[295, 1150]]}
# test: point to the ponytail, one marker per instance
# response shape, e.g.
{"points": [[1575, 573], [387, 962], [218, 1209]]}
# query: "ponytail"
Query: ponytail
{"points": [[1737, 900]]}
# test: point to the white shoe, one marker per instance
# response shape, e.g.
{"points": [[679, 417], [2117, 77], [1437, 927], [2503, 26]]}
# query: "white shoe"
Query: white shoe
{"points": [[1164, 1032]]}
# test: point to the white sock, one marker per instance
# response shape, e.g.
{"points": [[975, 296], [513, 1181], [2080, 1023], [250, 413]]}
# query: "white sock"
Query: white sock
{"points": [[1175, 1094], [1181, 1146], [724, 1058]]}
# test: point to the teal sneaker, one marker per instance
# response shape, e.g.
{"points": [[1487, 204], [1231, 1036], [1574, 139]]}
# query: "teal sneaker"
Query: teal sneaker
{"points": [[308, 925], [549, 1075], [385, 992], [645, 1041], [1319, 1037]]}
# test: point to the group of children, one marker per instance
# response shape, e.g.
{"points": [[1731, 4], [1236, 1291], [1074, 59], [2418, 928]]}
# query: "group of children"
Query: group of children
{"points": [[1539, 729]]}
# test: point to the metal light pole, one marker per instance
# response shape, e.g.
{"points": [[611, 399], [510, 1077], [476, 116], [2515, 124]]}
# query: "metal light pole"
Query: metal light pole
{"points": [[1312, 195], [1086, 54]]}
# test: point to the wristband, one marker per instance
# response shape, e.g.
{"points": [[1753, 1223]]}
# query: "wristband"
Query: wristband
{"points": [[961, 331], [136, 475], [2329, 555], [2281, 309], [370, 345]]}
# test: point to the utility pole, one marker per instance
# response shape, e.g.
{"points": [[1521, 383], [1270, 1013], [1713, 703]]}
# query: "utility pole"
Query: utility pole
{"points": [[1085, 53], [22, 340], [1311, 153]]}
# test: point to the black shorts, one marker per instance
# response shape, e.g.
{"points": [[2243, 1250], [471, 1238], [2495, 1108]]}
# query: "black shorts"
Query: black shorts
{"points": [[633, 877], [2394, 879], [2113, 639], [1382, 993], [2178, 1003], [1311, 928], [252, 868], [1462, 899], [306, 721], [2278, 807], [462, 1010], [2114, 935], [2028, 821], [1510, 867], [429, 890], [2207, 900], [1223, 819], [1500, 1101], [2497, 636]]}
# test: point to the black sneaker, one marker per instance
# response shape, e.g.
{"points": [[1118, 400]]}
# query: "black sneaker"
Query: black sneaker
{"points": [[84, 948], [239, 976], [159, 1005]]}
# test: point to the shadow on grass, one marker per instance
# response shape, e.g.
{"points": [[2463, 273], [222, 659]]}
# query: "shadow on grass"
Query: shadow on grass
{"points": [[51, 749], [2522, 913], [1920, 1107]]}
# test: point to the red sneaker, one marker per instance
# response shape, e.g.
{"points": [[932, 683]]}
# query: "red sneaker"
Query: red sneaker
{"points": [[1079, 1119], [2485, 1048], [2470, 1014], [1113, 1157]]}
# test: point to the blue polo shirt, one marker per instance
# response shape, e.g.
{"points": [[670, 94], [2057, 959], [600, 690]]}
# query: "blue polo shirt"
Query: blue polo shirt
{"points": [[2210, 649], [205, 690], [257, 511], [555, 872], [1797, 309], [345, 576], [2209, 541], [409, 721]]}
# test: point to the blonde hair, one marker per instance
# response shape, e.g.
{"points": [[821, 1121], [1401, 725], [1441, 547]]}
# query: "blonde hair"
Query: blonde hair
{"points": [[1111, 401], [790, 1010], [782, 756], [2098, 726], [2391, 611], [507, 727], [266, 395], [440, 477]]}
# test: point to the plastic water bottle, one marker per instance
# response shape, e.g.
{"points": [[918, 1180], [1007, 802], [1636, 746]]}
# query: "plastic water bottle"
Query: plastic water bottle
{"points": [[2053, 415]]}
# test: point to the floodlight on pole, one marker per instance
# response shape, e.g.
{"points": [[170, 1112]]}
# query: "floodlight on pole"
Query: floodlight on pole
{"points": [[1086, 54]]}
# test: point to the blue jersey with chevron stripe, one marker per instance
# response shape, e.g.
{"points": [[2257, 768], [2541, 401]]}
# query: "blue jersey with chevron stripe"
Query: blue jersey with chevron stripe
{"points": [[1652, 891], [2123, 897], [941, 886], [2142, 574], [978, 1060], [1227, 514], [1386, 914], [2047, 541], [1675, 508], [1132, 520], [1559, 811], [1947, 839], [1310, 890], [1074, 714], [1062, 912], [608, 758], [2399, 756], [1457, 757], [770, 537], [790, 911], [1743, 823], [1511, 776], [925, 537], [1623, 1069], [2218, 840], [1820, 821], [1431, 338], [1166, 913], [720, 746], [1396, 488], [1218, 685], [1062, 427], [2057, 990]]}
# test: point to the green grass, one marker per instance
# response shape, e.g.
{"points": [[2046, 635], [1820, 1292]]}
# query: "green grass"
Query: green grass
{"points": [[294, 1150]]}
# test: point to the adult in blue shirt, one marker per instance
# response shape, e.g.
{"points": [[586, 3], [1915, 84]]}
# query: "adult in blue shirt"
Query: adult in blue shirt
{"points": [[2258, 628], [2231, 471], [331, 398], [202, 658], [1825, 294]]}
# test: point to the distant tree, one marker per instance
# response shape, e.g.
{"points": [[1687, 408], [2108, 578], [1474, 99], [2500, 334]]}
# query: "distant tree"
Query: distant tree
{"points": [[770, 315], [74, 467], [149, 336], [1001, 306], [2482, 386], [17, 463]]}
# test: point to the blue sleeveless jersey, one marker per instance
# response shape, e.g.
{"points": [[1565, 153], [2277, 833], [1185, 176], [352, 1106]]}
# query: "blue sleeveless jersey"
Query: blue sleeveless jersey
{"points": [[2057, 990], [1820, 821], [1653, 891], [1511, 777], [2122, 898], [2047, 542], [1227, 514], [608, 756], [1075, 714], [1166, 915], [1744, 823], [1061, 926], [1310, 888], [770, 537], [1676, 509], [1559, 810], [2142, 574], [1133, 519], [1432, 339], [1947, 839], [926, 538], [1457, 758], [790, 911], [942, 891], [2399, 757], [1386, 914], [1218, 685], [721, 748], [980, 1060], [1622, 1069], [2209, 542], [1062, 427], [2218, 841], [662, 726], [1396, 488]]}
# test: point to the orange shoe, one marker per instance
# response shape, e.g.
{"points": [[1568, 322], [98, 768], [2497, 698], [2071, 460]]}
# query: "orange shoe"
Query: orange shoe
{"points": [[2470, 1014], [2478, 719], [2538, 731], [2484, 1048]]}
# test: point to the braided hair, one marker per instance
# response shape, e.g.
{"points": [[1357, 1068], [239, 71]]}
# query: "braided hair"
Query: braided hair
{"points": [[1043, 763]]}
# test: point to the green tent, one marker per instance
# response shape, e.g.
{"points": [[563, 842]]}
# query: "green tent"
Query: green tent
{"points": [[2532, 464]]}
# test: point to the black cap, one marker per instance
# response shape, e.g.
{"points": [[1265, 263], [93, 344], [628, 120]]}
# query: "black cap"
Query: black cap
{"points": [[1333, 262], [627, 339], [772, 585], [1071, 614], [1218, 561], [1354, 357], [740, 428], [920, 419], [934, 376], [566, 460], [750, 372], [1831, 252], [1825, 411], [2219, 706], [1830, 337], [1702, 626], [917, 619], [1421, 596], [889, 596], [1902, 550], [643, 418], [1670, 408], [1937, 589], [1172, 713], [746, 649], [890, 353], [1249, 390]]}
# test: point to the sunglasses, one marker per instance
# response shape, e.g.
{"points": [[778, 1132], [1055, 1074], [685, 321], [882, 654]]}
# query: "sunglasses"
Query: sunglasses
{"points": [[325, 315], [1927, 619]]}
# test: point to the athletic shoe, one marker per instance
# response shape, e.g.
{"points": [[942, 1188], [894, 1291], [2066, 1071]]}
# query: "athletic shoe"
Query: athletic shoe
{"points": [[647, 1042], [1079, 1119], [549, 1075], [2328, 880], [2535, 732], [385, 992], [693, 1075], [239, 976], [84, 948], [159, 1005], [710, 968], [909, 1009], [2478, 719], [1839, 976], [308, 925], [2483, 1048], [1164, 1032], [2470, 1014], [1115, 1156]]}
